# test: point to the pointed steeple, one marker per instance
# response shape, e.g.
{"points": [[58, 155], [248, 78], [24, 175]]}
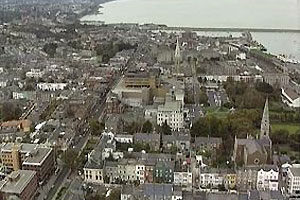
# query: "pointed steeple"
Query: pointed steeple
{"points": [[177, 57], [265, 122], [177, 50]]}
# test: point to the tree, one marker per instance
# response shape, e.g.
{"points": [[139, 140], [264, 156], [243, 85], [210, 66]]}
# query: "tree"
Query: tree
{"points": [[69, 158], [96, 127], [166, 129], [147, 127], [10, 111], [50, 49]]}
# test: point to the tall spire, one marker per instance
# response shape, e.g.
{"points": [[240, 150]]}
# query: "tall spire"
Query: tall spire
{"points": [[177, 57], [265, 122]]}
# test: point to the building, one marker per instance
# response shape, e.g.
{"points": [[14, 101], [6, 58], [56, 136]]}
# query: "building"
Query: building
{"points": [[267, 178], [280, 80], [252, 151], [41, 160], [293, 181], [128, 139], [179, 141], [29, 157], [139, 79], [230, 181], [93, 169], [164, 172], [151, 139], [35, 73], [18, 125], [21, 184], [172, 114], [212, 144], [246, 178], [290, 97], [113, 105], [183, 175], [151, 192], [51, 86], [211, 178]]}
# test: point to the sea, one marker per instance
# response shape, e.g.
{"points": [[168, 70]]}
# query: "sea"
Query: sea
{"points": [[265, 14]]}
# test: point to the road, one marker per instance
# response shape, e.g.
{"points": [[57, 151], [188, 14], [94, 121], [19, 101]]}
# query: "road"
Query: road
{"points": [[78, 146]]}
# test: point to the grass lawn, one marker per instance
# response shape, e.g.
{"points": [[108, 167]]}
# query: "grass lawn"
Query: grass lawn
{"points": [[217, 112], [291, 128]]}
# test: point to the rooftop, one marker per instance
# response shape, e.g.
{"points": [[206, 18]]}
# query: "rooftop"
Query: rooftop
{"points": [[37, 156], [20, 179]]}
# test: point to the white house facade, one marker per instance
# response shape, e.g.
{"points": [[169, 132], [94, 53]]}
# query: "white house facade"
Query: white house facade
{"points": [[267, 179]]}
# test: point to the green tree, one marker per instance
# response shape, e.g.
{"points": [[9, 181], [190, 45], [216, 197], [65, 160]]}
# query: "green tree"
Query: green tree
{"points": [[10, 111], [165, 129], [96, 127], [69, 157], [147, 127]]}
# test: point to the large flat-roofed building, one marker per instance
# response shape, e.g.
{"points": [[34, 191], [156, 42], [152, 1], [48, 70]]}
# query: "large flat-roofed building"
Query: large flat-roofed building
{"points": [[21, 184], [293, 181], [30, 157], [42, 161], [172, 114], [136, 79]]}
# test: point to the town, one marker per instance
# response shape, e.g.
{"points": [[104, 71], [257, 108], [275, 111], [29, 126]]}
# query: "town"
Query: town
{"points": [[128, 111]]}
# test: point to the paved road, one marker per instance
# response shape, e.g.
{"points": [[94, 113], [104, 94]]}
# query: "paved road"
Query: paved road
{"points": [[80, 144]]}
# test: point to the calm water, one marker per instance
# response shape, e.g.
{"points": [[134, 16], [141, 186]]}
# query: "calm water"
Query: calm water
{"points": [[283, 14]]}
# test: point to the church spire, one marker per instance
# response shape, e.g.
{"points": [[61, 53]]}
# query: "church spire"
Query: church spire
{"points": [[177, 57], [265, 122]]}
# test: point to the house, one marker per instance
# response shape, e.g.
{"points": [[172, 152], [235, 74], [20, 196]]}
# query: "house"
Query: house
{"points": [[151, 192], [111, 171], [212, 144], [268, 178], [164, 172], [21, 184], [152, 139], [51, 86], [293, 181], [183, 175], [34, 73], [246, 178], [93, 169], [210, 177], [113, 105], [290, 97], [128, 139], [179, 141]]}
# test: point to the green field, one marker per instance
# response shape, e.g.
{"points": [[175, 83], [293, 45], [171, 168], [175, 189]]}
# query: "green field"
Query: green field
{"points": [[217, 112], [291, 128]]}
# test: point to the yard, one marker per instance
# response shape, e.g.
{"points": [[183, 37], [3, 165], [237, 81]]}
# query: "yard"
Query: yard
{"points": [[292, 128], [217, 112]]}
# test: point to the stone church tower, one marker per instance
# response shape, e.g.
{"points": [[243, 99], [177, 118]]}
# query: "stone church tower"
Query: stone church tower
{"points": [[265, 122]]}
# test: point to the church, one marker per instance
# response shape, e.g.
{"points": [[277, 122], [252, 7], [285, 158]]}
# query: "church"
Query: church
{"points": [[255, 151]]}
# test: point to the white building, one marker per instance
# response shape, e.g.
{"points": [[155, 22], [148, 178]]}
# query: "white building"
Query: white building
{"points": [[51, 86], [3, 83], [293, 181], [35, 73], [140, 173], [211, 179], [124, 138], [183, 179], [93, 175], [172, 114], [267, 179], [290, 97]]}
